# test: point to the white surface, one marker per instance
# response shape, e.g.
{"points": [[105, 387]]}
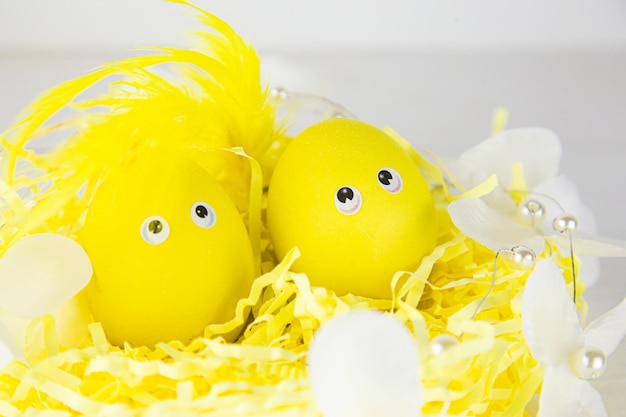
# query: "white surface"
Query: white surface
{"points": [[272, 23], [439, 99]]}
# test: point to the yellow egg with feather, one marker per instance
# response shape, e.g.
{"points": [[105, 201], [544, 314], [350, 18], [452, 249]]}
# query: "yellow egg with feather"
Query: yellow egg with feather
{"points": [[354, 203], [170, 252]]}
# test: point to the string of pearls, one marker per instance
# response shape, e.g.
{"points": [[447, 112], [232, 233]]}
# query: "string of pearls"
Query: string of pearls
{"points": [[587, 362], [532, 212]]}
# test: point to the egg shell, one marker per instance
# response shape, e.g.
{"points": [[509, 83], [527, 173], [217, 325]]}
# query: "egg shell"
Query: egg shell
{"points": [[145, 293], [356, 253]]}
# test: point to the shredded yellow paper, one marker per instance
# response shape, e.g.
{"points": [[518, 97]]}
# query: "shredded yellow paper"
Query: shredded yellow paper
{"points": [[490, 372]]}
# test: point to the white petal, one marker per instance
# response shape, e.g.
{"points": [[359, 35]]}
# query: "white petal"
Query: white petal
{"points": [[539, 150], [41, 272], [591, 402], [607, 331], [589, 270], [549, 320], [492, 228], [560, 395], [501, 200], [365, 364], [592, 245], [464, 175], [8, 348], [563, 196]]}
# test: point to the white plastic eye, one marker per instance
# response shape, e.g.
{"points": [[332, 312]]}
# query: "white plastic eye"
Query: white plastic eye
{"points": [[390, 180], [203, 215], [348, 200], [155, 230]]}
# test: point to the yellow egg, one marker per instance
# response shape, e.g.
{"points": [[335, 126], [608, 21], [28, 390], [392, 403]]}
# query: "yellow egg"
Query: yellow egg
{"points": [[169, 250], [354, 203]]}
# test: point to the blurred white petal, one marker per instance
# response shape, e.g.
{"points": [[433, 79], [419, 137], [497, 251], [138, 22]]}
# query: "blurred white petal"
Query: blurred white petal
{"points": [[538, 149], [589, 270], [8, 348], [365, 364], [560, 395], [552, 331], [463, 175], [607, 331], [591, 245], [492, 228], [549, 320], [501, 200], [591, 402], [564, 191], [41, 272]]}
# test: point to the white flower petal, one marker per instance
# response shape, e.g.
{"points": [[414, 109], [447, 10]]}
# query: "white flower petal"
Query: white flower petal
{"points": [[464, 175], [492, 228], [589, 270], [607, 331], [8, 348], [591, 402], [560, 395], [501, 200], [549, 320], [365, 364], [591, 245], [538, 149], [563, 195], [41, 272]]}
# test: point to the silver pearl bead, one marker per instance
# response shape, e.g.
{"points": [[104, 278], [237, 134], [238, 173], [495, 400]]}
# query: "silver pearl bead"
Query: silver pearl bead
{"points": [[531, 213], [278, 93], [524, 257], [565, 222], [441, 343], [588, 362], [338, 114]]}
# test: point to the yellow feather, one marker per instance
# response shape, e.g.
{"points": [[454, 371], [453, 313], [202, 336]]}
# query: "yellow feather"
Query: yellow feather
{"points": [[212, 98]]}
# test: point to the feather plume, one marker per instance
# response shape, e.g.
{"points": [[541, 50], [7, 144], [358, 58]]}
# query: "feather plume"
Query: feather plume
{"points": [[204, 100]]}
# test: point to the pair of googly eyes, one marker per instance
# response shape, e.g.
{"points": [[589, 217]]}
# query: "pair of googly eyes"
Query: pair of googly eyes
{"points": [[155, 229], [348, 199]]}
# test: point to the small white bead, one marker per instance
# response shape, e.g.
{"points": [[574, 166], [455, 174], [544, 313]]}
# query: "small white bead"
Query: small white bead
{"points": [[565, 222], [441, 343], [278, 93], [531, 213], [588, 362], [524, 257]]}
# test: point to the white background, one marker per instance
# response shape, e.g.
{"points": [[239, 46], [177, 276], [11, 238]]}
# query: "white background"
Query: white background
{"points": [[433, 70], [271, 23]]}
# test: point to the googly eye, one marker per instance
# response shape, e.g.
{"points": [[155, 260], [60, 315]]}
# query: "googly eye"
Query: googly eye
{"points": [[348, 200], [155, 230], [203, 215], [390, 180]]}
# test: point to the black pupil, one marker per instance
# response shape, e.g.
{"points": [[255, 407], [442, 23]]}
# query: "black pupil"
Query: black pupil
{"points": [[385, 176], [345, 193], [155, 226], [202, 212]]}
